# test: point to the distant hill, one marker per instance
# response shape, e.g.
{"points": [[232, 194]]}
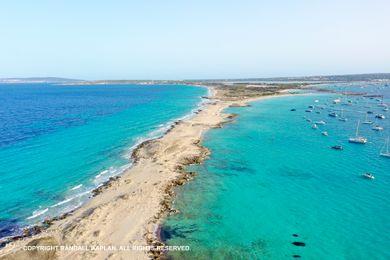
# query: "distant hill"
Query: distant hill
{"points": [[40, 80], [307, 79], [329, 78]]}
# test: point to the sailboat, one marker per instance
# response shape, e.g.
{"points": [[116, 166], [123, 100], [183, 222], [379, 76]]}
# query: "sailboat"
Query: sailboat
{"points": [[358, 139], [366, 121], [342, 118], [385, 149]]}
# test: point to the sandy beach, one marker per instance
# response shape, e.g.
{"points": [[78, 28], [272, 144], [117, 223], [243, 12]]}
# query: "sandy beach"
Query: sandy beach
{"points": [[127, 211]]}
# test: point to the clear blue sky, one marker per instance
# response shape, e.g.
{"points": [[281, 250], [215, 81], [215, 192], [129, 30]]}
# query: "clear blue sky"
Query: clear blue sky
{"points": [[166, 39]]}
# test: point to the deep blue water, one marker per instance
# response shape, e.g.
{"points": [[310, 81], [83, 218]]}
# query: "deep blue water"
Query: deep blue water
{"points": [[272, 180], [59, 142]]}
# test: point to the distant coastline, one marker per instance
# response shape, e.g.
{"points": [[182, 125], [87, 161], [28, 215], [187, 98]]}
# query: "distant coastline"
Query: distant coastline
{"points": [[48, 80], [304, 79]]}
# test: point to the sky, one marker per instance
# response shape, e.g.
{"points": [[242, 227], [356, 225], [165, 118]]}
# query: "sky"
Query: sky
{"points": [[193, 39]]}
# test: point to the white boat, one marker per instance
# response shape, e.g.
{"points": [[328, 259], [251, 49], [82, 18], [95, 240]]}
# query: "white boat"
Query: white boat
{"points": [[368, 175], [377, 128], [314, 126], [325, 133], [366, 121], [385, 149], [333, 114], [386, 109], [342, 118], [358, 139], [321, 122], [336, 101], [380, 116]]}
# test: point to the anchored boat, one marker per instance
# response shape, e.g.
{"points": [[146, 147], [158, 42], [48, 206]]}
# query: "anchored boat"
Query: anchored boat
{"points": [[358, 139], [366, 121], [385, 149], [368, 175], [342, 118], [377, 128], [333, 114], [321, 122]]}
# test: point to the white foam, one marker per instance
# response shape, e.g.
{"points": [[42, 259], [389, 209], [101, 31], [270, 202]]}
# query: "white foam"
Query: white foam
{"points": [[104, 175], [107, 174], [37, 213], [61, 202], [82, 194], [71, 198], [101, 174], [163, 128], [77, 187]]}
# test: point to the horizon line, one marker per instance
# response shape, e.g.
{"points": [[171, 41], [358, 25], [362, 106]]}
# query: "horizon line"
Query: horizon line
{"points": [[196, 79]]}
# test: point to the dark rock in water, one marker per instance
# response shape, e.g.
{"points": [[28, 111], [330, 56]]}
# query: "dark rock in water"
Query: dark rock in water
{"points": [[241, 168], [231, 116], [295, 235], [169, 232], [165, 234], [9, 228], [296, 256], [298, 244]]}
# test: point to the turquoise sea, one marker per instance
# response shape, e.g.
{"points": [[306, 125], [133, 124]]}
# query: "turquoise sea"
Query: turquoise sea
{"points": [[273, 180], [57, 143]]}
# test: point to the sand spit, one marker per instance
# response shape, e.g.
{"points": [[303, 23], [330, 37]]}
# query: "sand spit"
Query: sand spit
{"points": [[123, 217]]}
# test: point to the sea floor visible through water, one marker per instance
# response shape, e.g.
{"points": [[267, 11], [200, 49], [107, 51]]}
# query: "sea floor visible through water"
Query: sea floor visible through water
{"points": [[58, 143], [274, 189]]}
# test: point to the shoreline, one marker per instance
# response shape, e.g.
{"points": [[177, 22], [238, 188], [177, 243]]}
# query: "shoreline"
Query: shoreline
{"points": [[29, 230], [129, 208]]}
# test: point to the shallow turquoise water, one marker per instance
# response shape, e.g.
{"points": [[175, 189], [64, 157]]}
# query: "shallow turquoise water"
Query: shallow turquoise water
{"points": [[60, 142], [270, 175]]}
